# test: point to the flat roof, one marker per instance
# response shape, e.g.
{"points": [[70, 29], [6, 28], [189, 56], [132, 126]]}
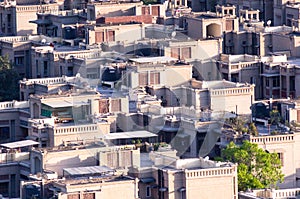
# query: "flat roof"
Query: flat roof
{"points": [[130, 134], [87, 170], [19, 144], [143, 60], [63, 103]]}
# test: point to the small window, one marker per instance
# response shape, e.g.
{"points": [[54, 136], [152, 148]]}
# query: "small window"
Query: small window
{"points": [[148, 191], [280, 156]]}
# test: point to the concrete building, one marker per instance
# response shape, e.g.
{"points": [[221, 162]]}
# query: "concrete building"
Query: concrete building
{"points": [[15, 17], [187, 178], [118, 186], [111, 9], [144, 72], [14, 167], [211, 25], [241, 68], [67, 24], [284, 144], [217, 96], [266, 8], [14, 117], [271, 193]]}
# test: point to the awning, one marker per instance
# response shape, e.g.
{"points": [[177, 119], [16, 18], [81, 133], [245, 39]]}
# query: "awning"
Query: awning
{"points": [[163, 189], [41, 21], [270, 75], [163, 59], [87, 170], [181, 189], [128, 135], [51, 27], [167, 128], [19, 144], [182, 135], [64, 103], [147, 180], [32, 137]]}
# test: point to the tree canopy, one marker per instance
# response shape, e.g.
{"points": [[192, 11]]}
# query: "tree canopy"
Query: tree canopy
{"points": [[9, 81], [257, 168]]}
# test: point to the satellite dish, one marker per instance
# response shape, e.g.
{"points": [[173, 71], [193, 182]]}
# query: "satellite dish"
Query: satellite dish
{"points": [[173, 34], [269, 22]]}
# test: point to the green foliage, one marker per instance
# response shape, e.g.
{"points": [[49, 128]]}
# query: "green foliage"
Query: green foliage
{"points": [[275, 117], [239, 125], [252, 129], [9, 81], [256, 168], [274, 133]]}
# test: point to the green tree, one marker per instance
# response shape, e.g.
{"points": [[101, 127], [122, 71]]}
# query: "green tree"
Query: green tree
{"points": [[257, 168], [238, 124], [252, 129], [9, 81], [275, 117]]}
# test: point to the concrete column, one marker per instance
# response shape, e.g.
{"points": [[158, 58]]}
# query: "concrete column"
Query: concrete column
{"points": [[287, 84], [246, 15], [175, 3]]}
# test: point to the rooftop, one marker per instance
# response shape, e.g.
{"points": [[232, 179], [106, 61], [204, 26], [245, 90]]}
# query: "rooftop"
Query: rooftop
{"points": [[19, 144]]}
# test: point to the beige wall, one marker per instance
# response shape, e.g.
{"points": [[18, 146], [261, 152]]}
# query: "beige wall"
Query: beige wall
{"points": [[126, 189]]}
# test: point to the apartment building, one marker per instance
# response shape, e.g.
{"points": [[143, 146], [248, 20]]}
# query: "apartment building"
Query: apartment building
{"points": [[186, 178], [67, 24], [241, 68], [14, 116], [14, 166], [285, 145], [15, 17], [266, 8], [211, 25]]}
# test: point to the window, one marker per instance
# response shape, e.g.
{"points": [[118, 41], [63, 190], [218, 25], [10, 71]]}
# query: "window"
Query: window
{"points": [[111, 35], [73, 196], [252, 80], [280, 156], [99, 37], [115, 105], [175, 52], [103, 106], [70, 71], [148, 191], [267, 82], [186, 53], [4, 133], [154, 78], [276, 82], [45, 68], [37, 67], [4, 188], [143, 79], [19, 61], [89, 196]]}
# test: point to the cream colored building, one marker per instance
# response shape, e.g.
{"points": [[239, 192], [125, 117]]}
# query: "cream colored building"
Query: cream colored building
{"points": [[15, 18], [188, 178], [241, 68]]}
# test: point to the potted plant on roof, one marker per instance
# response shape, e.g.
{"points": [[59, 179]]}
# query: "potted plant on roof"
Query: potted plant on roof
{"points": [[138, 143]]}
